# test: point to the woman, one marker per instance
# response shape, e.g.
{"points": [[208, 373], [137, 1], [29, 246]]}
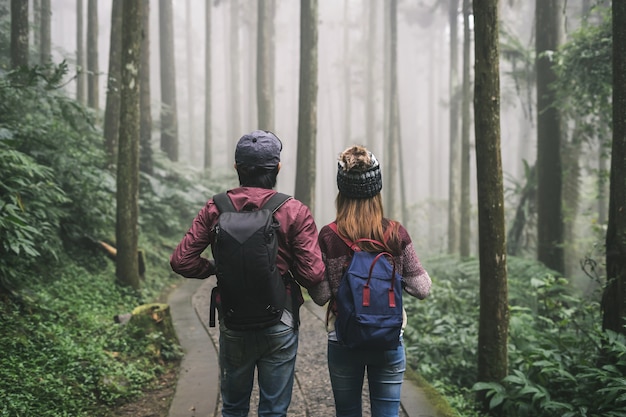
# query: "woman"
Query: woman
{"points": [[360, 215]]}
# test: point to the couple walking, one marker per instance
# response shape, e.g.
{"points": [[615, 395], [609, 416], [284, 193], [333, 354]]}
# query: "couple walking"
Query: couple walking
{"points": [[314, 261]]}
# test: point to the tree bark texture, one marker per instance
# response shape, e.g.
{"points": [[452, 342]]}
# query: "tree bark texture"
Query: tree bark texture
{"points": [[234, 93], [81, 61], [370, 95], [393, 135], [614, 300], [454, 169], [146, 163], [494, 313], [549, 169], [92, 55], [19, 33], [466, 122], [112, 109], [127, 227], [307, 105], [169, 113], [264, 93], [347, 77], [45, 54], [208, 114]]}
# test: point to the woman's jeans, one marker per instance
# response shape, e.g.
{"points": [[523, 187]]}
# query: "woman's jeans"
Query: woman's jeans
{"points": [[273, 352], [385, 371]]}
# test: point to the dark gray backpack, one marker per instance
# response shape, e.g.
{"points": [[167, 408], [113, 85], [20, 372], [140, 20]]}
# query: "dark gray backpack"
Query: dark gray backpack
{"points": [[252, 292]]}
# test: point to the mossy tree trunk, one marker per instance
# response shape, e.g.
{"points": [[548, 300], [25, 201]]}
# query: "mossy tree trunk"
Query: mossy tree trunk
{"points": [[19, 33], [112, 108], [307, 106], [127, 229], [264, 92], [614, 301], [494, 313]]}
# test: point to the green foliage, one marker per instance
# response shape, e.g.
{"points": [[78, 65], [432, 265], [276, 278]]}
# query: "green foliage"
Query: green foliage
{"points": [[584, 77], [560, 361], [54, 190], [62, 354], [50, 368]]}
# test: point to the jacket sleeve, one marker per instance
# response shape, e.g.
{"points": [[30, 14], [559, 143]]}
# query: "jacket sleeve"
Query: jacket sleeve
{"points": [[186, 259], [308, 266]]}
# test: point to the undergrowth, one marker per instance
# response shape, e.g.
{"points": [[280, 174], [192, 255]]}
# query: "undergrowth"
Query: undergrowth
{"points": [[560, 361]]}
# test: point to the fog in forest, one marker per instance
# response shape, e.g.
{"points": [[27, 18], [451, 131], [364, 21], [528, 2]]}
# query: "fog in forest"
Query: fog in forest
{"points": [[345, 34]]}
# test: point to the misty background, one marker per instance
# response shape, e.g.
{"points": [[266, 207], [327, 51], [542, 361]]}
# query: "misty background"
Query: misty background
{"points": [[345, 36]]}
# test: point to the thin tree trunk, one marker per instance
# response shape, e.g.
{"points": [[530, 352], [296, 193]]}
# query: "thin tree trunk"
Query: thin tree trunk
{"points": [[190, 80], [264, 94], [81, 61], [93, 98], [112, 110], [370, 99], [307, 106], [466, 208], [208, 120], [19, 33], [146, 163], [393, 136], [127, 227], [347, 77], [45, 54], [234, 109], [169, 113], [549, 169], [614, 300], [494, 313], [454, 188]]}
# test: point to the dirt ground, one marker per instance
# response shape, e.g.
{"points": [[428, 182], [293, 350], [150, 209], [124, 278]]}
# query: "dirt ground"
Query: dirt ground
{"points": [[155, 402]]}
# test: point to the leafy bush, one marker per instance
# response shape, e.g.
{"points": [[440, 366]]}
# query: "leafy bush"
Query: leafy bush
{"points": [[54, 189], [50, 368], [560, 361]]}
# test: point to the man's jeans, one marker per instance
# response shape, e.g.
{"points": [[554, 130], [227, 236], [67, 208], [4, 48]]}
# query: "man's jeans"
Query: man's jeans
{"points": [[385, 371], [273, 352]]}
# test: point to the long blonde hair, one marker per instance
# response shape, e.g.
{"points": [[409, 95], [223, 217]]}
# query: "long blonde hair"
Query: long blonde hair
{"points": [[364, 218]]}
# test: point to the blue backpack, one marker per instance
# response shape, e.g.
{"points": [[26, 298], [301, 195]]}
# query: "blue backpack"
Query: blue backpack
{"points": [[369, 300]]}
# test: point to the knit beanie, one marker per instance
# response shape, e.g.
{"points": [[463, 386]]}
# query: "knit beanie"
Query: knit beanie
{"points": [[358, 173]]}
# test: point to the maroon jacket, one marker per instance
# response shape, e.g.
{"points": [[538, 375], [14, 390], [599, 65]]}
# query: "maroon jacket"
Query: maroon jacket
{"points": [[298, 248]]}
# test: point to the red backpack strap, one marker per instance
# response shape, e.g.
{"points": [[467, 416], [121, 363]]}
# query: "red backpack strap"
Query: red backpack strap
{"points": [[353, 245]]}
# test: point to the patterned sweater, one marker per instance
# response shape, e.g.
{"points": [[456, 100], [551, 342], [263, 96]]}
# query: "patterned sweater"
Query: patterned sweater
{"points": [[336, 255]]}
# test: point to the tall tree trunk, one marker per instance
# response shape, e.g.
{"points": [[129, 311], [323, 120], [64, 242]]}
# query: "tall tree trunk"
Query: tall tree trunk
{"points": [[191, 134], [127, 227], [169, 113], [307, 105], [372, 52], [614, 300], [264, 94], [81, 61], [19, 33], [112, 110], [549, 169], [92, 55], [454, 189], [208, 117], [234, 108], [45, 54], [347, 77], [146, 163], [494, 313], [393, 135], [466, 208]]}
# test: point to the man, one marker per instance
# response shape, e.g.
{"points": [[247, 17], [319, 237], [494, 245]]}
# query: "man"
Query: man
{"points": [[271, 350]]}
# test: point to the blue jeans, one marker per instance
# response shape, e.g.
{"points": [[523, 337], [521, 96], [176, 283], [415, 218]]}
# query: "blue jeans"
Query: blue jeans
{"points": [[272, 352], [385, 371]]}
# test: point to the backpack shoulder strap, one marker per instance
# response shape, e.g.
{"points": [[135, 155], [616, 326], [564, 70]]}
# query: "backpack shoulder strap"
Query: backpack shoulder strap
{"points": [[353, 245], [223, 203], [276, 201]]}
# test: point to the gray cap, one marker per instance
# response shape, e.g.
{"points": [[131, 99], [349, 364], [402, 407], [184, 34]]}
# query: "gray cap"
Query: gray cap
{"points": [[260, 148]]}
